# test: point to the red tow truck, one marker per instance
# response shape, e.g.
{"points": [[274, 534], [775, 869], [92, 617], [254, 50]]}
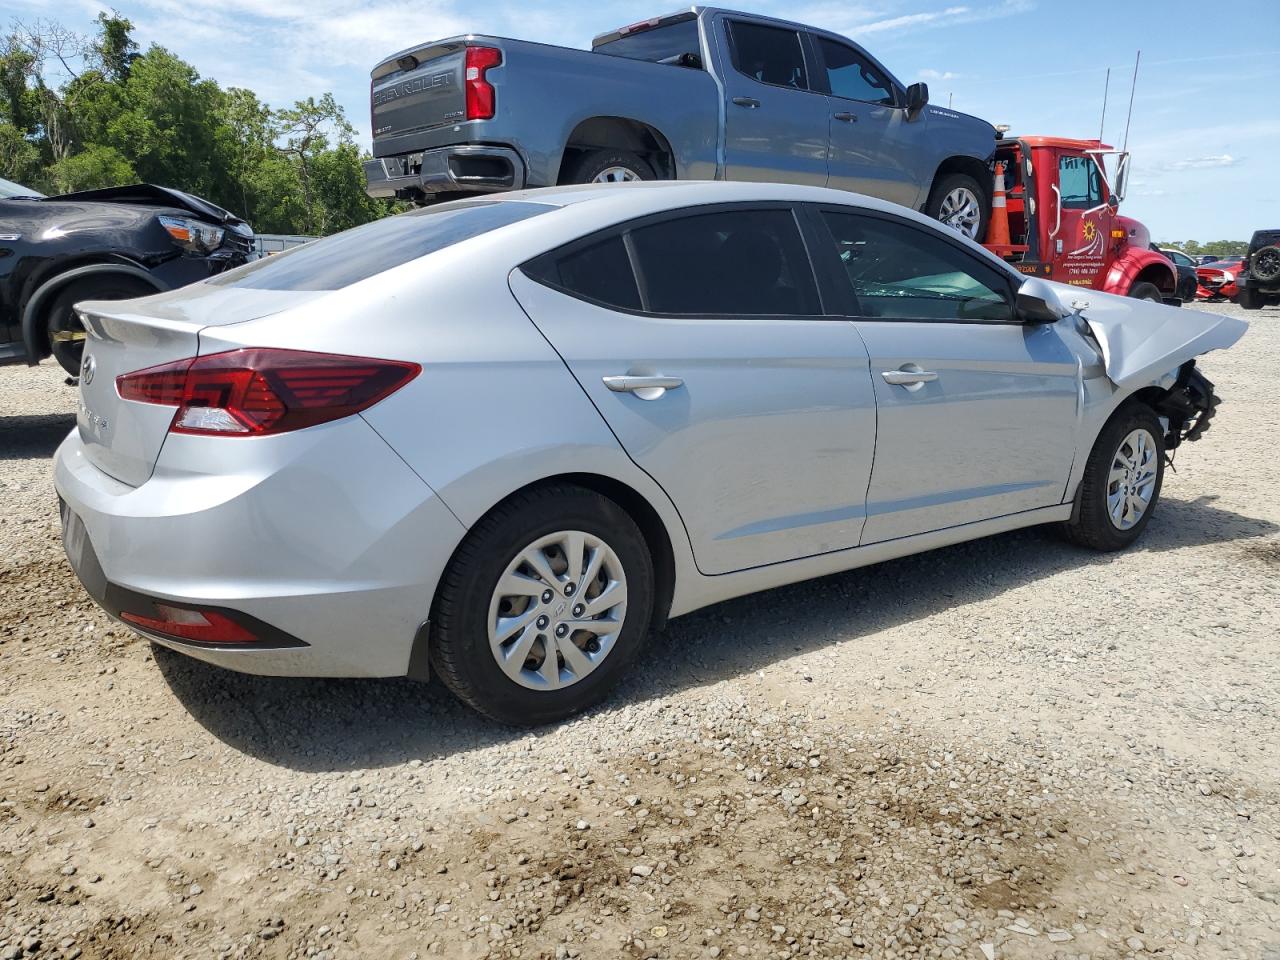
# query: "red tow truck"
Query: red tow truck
{"points": [[1064, 223]]}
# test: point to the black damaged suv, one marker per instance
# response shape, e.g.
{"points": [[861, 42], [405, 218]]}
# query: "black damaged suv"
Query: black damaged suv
{"points": [[1259, 281], [110, 244]]}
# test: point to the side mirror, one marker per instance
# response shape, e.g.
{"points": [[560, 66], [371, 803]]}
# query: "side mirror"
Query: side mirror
{"points": [[1113, 202], [917, 97], [1038, 302]]}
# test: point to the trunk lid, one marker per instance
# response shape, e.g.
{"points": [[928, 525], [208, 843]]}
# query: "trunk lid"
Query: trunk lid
{"points": [[429, 93], [123, 438]]}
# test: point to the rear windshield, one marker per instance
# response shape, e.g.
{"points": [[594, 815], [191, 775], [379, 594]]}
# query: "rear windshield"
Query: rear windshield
{"points": [[656, 44], [357, 254]]}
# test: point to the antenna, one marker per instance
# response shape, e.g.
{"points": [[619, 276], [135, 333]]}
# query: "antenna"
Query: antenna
{"points": [[1105, 90], [950, 97], [1132, 90]]}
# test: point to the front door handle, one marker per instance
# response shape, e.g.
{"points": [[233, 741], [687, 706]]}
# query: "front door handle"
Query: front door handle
{"points": [[646, 388], [749, 102], [847, 117], [911, 376]]}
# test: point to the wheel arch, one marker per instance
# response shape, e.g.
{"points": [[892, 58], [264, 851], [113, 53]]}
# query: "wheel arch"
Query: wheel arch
{"points": [[640, 510], [620, 133], [38, 301], [971, 166]]}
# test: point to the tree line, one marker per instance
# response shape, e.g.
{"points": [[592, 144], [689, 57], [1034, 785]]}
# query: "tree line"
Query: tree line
{"points": [[122, 116], [1214, 248]]}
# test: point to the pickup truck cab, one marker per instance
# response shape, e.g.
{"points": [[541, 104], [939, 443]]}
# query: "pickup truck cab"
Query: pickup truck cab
{"points": [[703, 94]]}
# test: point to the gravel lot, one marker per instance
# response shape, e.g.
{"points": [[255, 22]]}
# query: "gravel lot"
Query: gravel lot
{"points": [[1008, 748]]}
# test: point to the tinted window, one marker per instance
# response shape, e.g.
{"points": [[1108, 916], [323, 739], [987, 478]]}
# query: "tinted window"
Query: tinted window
{"points": [[1080, 183], [852, 76], [599, 272], [903, 272], [658, 43], [354, 255], [736, 263], [768, 54]]}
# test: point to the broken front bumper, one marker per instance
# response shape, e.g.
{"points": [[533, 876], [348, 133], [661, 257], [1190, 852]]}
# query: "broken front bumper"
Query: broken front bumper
{"points": [[1188, 406]]}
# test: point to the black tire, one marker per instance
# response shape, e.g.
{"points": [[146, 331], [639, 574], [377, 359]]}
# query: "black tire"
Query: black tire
{"points": [[459, 639], [958, 181], [1092, 525], [60, 319], [1146, 291], [1249, 299], [1264, 264], [595, 162]]}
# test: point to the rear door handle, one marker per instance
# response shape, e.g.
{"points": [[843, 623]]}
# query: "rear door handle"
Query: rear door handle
{"points": [[908, 378], [749, 102], [847, 117], [646, 388]]}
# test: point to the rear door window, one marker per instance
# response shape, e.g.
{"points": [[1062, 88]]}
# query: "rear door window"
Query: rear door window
{"points": [[771, 55], [600, 272], [731, 263], [357, 254]]}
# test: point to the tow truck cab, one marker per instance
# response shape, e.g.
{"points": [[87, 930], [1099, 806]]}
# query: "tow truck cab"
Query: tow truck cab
{"points": [[1064, 223]]}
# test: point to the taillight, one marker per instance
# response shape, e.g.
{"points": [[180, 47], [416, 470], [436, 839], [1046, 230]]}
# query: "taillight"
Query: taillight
{"points": [[204, 626], [480, 96], [258, 390]]}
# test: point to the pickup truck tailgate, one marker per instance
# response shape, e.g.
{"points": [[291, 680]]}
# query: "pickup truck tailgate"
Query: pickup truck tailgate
{"points": [[428, 95]]}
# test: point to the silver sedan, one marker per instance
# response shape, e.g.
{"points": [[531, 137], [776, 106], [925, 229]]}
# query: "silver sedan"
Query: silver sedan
{"points": [[504, 439]]}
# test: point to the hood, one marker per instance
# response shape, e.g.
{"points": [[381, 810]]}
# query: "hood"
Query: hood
{"points": [[151, 195], [1140, 340]]}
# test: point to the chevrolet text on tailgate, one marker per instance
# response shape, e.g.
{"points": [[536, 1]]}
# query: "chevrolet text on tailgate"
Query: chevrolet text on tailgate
{"points": [[702, 94]]}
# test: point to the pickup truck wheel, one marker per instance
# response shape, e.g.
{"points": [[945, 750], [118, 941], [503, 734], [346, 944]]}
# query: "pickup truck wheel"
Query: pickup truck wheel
{"points": [[1146, 291], [610, 166], [958, 201], [1264, 265], [66, 333], [1121, 483]]}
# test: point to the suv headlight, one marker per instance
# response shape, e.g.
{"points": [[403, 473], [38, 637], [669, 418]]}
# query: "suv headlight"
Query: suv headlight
{"points": [[192, 235]]}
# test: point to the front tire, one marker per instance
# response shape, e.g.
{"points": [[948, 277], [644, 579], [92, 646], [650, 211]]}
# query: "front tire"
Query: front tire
{"points": [[959, 201], [65, 331], [1121, 483], [1146, 291], [544, 606]]}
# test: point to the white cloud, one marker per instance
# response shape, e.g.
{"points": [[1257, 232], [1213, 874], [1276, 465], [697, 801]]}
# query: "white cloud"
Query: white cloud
{"points": [[1202, 163], [859, 21], [935, 75]]}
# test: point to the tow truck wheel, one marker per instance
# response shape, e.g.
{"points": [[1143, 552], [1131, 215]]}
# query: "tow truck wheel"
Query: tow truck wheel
{"points": [[958, 201], [1146, 291], [1121, 483]]}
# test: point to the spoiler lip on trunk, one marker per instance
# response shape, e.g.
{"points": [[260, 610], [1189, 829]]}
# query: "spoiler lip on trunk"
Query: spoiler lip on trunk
{"points": [[151, 194]]}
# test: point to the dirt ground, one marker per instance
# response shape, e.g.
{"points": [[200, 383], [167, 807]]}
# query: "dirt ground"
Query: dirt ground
{"points": [[1008, 748]]}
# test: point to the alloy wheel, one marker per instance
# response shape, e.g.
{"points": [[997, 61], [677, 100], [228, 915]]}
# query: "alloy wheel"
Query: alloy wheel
{"points": [[616, 175], [557, 610], [1132, 479], [962, 211]]}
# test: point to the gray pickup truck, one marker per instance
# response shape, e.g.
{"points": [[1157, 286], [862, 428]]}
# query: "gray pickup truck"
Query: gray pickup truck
{"points": [[703, 94]]}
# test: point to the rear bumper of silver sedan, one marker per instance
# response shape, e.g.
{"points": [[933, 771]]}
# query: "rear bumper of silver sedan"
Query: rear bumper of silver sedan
{"points": [[322, 545]]}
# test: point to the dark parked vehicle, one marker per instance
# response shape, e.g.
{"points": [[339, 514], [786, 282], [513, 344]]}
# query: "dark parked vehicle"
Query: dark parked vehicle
{"points": [[703, 94], [1186, 268], [1258, 284], [111, 244]]}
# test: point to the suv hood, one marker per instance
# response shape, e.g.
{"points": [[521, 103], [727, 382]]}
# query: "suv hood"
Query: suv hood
{"points": [[152, 195]]}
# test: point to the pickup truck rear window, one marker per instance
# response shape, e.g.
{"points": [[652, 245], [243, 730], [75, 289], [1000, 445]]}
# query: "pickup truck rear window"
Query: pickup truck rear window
{"points": [[357, 254], [667, 42]]}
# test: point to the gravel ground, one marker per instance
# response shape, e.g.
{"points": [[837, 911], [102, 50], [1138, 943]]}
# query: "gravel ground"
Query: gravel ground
{"points": [[1008, 748]]}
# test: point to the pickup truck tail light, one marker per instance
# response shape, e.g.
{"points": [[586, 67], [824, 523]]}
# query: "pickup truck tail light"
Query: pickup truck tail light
{"points": [[480, 95], [258, 391]]}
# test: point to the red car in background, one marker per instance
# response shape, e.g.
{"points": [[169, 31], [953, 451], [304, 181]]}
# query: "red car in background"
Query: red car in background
{"points": [[1217, 280]]}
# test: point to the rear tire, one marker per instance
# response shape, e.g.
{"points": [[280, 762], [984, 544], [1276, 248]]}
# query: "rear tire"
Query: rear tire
{"points": [[491, 664], [1249, 299], [1264, 264], [63, 327], [1146, 291], [610, 166], [959, 201], [1127, 458]]}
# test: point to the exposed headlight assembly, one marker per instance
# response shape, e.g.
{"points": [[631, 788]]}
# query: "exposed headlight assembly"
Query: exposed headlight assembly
{"points": [[192, 235]]}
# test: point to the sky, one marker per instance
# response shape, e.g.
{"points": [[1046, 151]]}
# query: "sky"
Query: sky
{"points": [[1205, 134]]}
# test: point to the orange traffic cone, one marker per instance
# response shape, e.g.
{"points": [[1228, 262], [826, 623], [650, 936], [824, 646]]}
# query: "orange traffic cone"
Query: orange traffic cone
{"points": [[998, 229]]}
